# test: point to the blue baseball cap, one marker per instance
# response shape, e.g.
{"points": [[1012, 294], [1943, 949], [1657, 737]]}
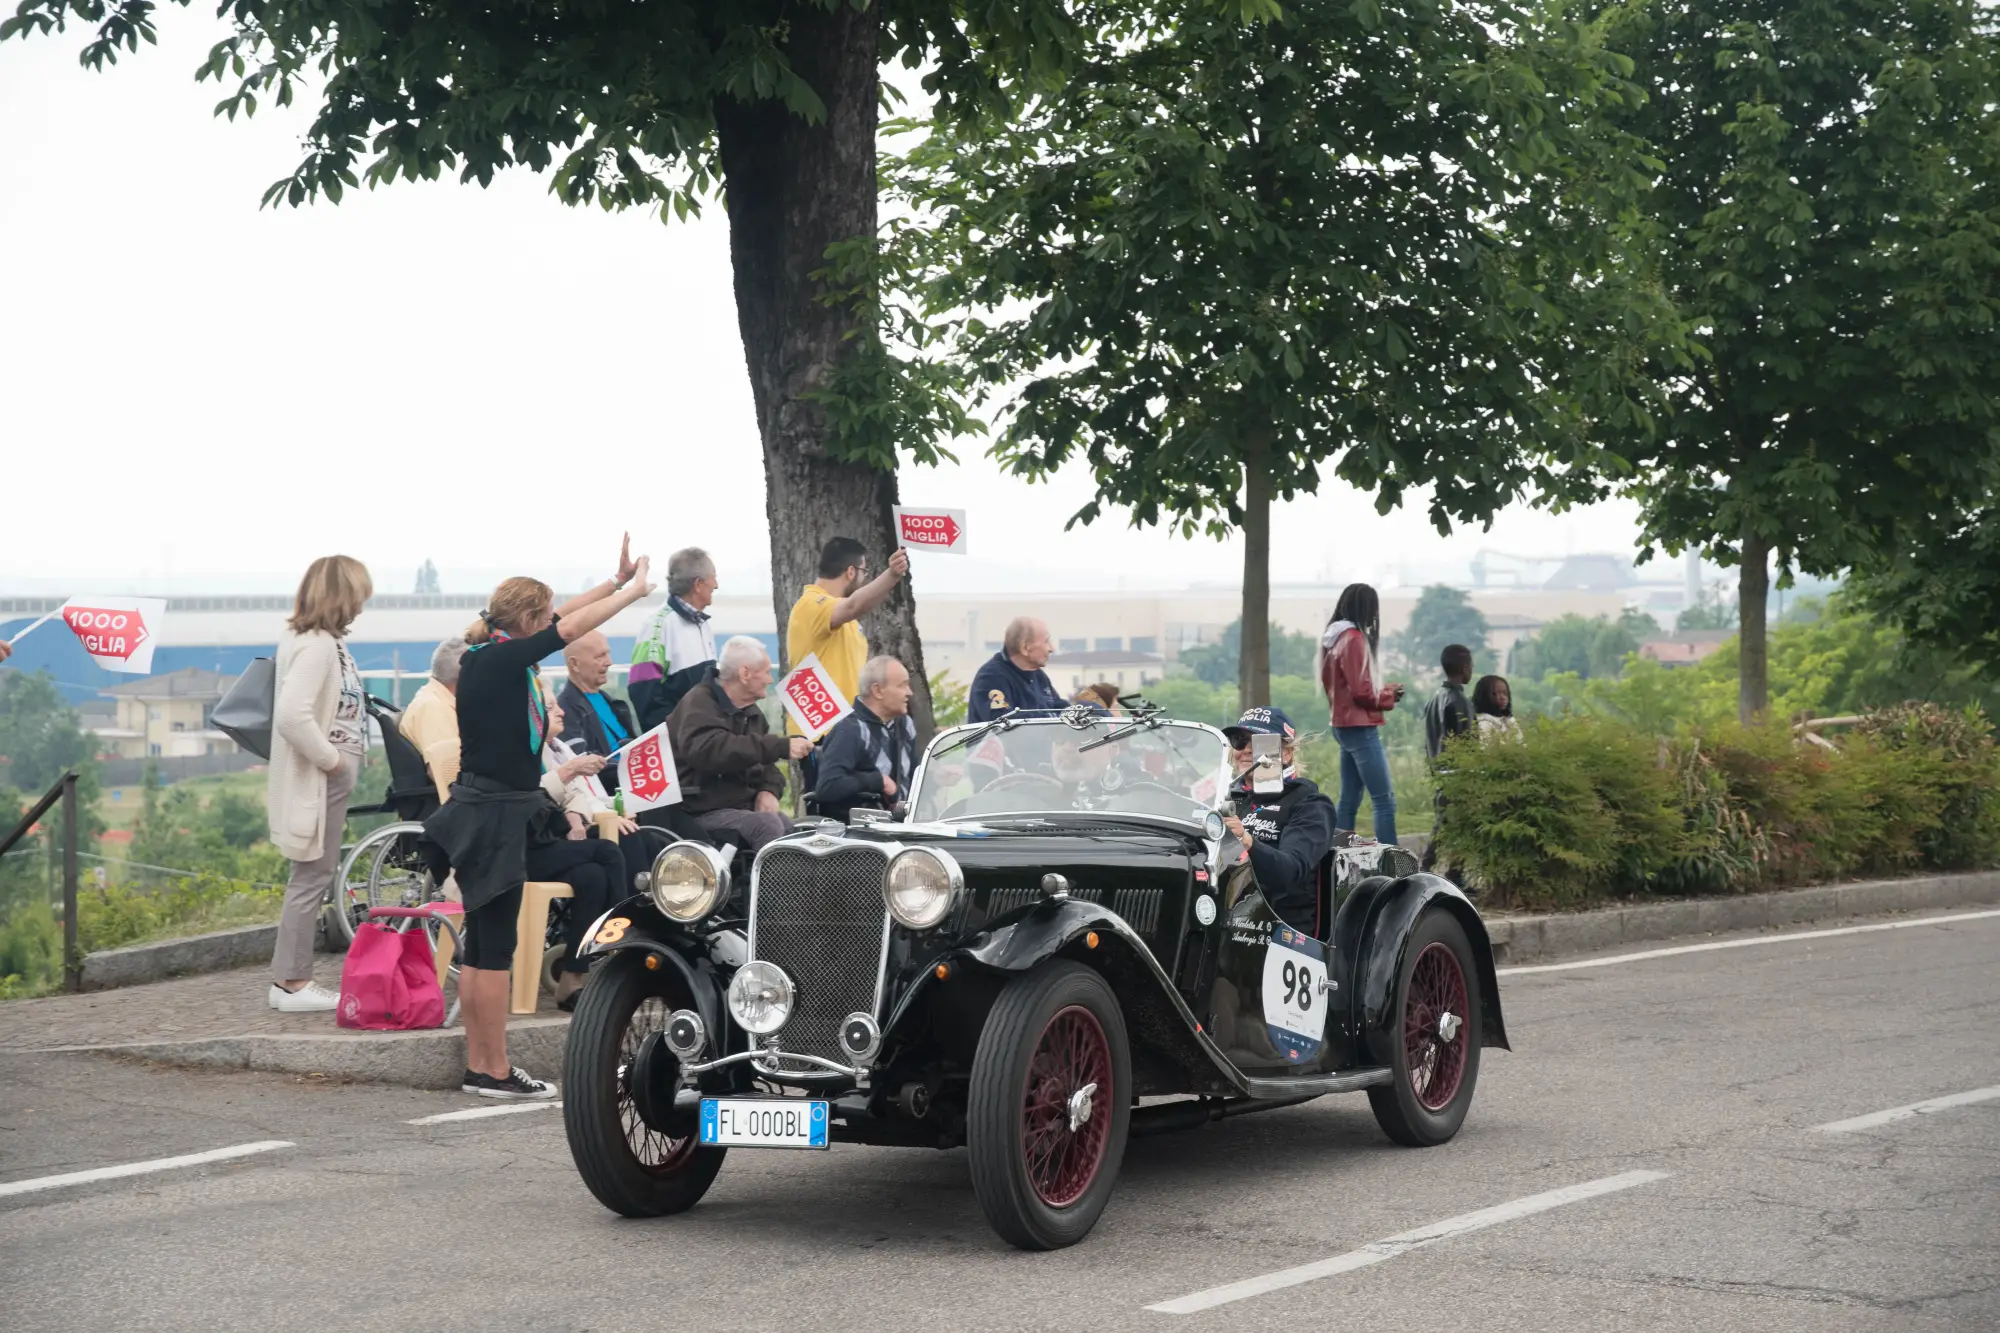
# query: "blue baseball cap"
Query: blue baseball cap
{"points": [[1260, 722]]}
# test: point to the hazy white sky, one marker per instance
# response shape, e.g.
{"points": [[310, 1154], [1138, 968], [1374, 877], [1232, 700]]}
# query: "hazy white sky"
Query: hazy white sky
{"points": [[192, 389]]}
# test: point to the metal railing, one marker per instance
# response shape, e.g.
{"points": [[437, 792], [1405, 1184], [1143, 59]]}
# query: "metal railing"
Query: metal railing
{"points": [[64, 790]]}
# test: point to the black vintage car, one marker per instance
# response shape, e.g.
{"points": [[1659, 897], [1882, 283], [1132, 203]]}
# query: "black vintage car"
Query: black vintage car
{"points": [[1057, 949]]}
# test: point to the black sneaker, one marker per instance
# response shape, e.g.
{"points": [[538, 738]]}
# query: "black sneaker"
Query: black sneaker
{"points": [[518, 1086]]}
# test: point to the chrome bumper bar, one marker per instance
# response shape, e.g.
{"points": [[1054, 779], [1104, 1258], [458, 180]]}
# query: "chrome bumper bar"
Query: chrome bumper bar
{"points": [[765, 1060]]}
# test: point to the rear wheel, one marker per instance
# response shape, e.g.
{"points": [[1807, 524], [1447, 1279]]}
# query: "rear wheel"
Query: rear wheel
{"points": [[1049, 1106], [635, 1152], [1435, 1048], [384, 869]]}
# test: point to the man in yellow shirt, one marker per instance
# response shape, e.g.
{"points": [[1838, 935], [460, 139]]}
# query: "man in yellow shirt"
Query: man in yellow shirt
{"points": [[825, 619], [430, 720]]}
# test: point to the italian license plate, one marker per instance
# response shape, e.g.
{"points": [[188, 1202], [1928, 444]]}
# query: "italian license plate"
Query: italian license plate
{"points": [[763, 1122]]}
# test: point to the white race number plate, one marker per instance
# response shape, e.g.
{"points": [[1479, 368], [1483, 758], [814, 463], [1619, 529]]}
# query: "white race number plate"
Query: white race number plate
{"points": [[763, 1122]]}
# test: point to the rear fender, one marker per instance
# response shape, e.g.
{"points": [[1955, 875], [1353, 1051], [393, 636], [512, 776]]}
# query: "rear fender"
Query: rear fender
{"points": [[1374, 929], [649, 930]]}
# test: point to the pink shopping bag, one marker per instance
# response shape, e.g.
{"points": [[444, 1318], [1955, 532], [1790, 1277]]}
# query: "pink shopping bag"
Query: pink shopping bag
{"points": [[389, 982]]}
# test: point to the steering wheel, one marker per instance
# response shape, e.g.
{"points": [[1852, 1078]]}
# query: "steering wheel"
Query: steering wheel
{"points": [[1164, 799], [1010, 781]]}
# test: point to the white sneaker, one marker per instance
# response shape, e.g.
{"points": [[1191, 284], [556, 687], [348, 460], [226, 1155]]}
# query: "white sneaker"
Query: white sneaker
{"points": [[311, 998]]}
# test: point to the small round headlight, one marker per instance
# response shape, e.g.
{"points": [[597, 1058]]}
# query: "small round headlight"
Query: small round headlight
{"points": [[760, 997], [689, 881], [920, 886], [1212, 826]]}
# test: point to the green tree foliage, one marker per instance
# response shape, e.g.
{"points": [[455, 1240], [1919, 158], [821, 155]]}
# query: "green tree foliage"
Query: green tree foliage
{"points": [[1829, 225], [1381, 241], [1942, 587], [1584, 647], [41, 737], [1710, 611], [1292, 654], [1442, 616]]}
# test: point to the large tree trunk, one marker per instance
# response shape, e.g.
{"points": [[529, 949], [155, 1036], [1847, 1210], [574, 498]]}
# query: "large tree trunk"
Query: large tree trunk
{"points": [[1753, 586], [793, 189], [1253, 667]]}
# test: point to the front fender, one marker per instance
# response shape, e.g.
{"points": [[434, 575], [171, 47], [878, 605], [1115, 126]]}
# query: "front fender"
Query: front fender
{"points": [[1376, 936], [652, 931]]}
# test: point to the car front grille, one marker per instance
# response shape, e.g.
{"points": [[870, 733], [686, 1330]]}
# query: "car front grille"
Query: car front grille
{"points": [[822, 919]]}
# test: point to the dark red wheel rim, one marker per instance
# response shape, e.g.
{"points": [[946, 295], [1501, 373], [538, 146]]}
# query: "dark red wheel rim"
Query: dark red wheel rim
{"points": [[1436, 998], [1066, 1110]]}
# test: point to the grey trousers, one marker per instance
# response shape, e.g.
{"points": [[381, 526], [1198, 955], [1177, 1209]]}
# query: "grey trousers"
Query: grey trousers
{"points": [[305, 891], [755, 828]]}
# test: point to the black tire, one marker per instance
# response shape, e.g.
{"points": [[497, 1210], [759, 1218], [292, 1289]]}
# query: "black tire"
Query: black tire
{"points": [[997, 1108], [1400, 1106], [602, 1119]]}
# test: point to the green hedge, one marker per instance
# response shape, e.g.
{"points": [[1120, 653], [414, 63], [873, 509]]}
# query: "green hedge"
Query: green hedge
{"points": [[1587, 807]]}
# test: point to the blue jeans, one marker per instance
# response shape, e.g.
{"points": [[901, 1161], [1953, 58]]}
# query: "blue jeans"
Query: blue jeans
{"points": [[1365, 764]]}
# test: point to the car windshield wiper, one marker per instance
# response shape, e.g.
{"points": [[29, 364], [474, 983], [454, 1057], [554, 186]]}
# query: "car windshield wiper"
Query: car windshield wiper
{"points": [[1120, 733], [1001, 723]]}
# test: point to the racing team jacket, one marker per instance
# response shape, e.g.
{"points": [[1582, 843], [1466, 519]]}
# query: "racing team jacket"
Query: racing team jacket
{"points": [[1347, 674], [1000, 687], [668, 659], [1291, 832]]}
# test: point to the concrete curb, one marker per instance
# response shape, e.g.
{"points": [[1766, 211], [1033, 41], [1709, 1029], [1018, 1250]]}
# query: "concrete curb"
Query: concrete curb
{"points": [[1521, 938], [433, 1059], [219, 951]]}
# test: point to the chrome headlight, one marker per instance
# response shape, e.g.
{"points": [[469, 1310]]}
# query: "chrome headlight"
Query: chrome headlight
{"points": [[760, 997], [689, 881], [921, 886], [1212, 826]]}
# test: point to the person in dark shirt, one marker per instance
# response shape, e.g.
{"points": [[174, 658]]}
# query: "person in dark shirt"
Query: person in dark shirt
{"points": [[1289, 832], [497, 807], [867, 759], [1013, 677], [1448, 714], [595, 722]]}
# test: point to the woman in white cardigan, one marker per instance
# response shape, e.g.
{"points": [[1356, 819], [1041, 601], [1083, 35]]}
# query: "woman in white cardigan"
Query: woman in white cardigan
{"points": [[319, 737]]}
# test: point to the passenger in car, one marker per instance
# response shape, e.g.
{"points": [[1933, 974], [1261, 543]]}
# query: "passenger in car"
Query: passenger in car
{"points": [[1287, 833]]}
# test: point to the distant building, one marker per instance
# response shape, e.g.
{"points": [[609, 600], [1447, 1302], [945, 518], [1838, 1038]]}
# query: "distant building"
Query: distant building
{"points": [[164, 716], [1121, 666]]}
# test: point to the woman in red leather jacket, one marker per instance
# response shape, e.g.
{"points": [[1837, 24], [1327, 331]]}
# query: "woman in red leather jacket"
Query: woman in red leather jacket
{"points": [[1357, 700]]}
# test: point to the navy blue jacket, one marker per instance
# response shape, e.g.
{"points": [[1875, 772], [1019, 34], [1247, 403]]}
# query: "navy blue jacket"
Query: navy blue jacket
{"points": [[585, 730], [1000, 687], [1291, 833], [856, 755]]}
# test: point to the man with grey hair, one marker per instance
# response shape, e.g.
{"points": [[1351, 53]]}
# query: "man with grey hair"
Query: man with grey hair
{"points": [[593, 721], [430, 720], [867, 759], [671, 655], [1013, 678], [732, 769]]}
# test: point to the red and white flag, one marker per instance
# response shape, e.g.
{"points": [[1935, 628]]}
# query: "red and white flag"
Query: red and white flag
{"points": [[646, 773], [941, 530], [119, 633], [812, 699]]}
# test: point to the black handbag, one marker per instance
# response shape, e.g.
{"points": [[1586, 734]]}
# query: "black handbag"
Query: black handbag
{"points": [[244, 713]]}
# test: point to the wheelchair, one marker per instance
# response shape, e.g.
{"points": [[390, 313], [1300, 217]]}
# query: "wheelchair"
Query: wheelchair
{"points": [[392, 866]]}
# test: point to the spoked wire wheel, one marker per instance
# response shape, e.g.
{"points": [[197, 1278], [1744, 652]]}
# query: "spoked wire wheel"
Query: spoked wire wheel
{"points": [[635, 1150], [1434, 1044], [1436, 1005], [1063, 1133], [384, 869]]}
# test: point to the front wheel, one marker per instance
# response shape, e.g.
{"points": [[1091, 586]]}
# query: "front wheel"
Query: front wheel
{"points": [[637, 1155], [1435, 1047], [1049, 1106]]}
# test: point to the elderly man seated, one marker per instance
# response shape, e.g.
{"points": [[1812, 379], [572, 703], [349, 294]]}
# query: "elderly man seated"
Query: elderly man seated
{"points": [[431, 721], [867, 759], [596, 723], [731, 766]]}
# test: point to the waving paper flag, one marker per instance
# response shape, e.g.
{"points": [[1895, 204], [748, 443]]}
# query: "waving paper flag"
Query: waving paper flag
{"points": [[941, 530], [646, 773], [810, 696], [119, 633]]}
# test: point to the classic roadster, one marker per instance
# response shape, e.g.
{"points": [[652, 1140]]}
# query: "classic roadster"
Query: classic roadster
{"points": [[1058, 948]]}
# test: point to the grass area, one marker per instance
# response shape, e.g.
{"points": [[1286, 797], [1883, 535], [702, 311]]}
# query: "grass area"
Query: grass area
{"points": [[119, 807]]}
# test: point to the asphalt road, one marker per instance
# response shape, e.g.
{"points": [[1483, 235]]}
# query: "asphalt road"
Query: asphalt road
{"points": [[1710, 1069]]}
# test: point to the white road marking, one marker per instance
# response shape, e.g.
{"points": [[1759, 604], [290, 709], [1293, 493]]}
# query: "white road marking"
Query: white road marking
{"points": [[1909, 1112], [1404, 1242], [482, 1112], [141, 1168], [1746, 943]]}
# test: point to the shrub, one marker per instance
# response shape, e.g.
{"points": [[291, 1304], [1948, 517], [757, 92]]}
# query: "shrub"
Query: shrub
{"points": [[1961, 763]]}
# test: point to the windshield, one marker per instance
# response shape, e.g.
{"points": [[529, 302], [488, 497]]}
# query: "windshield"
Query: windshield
{"points": [[1048, 766]]}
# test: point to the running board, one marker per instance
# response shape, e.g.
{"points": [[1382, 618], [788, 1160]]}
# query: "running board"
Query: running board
{"points": [[1354, 1080]]}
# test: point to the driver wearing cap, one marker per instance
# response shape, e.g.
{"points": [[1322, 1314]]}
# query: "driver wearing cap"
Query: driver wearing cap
{"points": [[1288, 832]]}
